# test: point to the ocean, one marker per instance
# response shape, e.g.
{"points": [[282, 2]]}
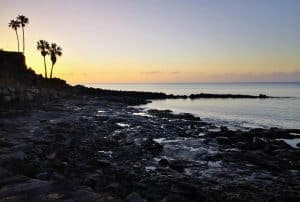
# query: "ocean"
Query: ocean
{"points": [[234, 113]]}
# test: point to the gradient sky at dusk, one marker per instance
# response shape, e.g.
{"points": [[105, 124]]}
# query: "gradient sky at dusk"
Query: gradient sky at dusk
{"points": [[109, 41]]}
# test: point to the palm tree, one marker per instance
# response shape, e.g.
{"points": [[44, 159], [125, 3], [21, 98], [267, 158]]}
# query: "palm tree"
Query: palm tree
{"points": [[23, 21], [43, 46], [14, 24], [54, 50]]}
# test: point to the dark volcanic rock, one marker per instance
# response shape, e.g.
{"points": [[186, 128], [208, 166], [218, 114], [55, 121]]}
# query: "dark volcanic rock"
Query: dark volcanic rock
{"points": [[75, 149], [134, 197], [177, 165], [163, 162], [151, 146], [223, 140]]}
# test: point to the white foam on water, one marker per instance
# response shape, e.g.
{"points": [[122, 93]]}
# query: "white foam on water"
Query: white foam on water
{"points": [[109, 153], [150, 168], [214, 164], [123, 124], [142, 114], [164, 140], [297, 134]]}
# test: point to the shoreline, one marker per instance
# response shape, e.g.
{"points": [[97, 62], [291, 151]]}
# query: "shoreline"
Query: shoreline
{"points": [[100, 148], [62, 143]]}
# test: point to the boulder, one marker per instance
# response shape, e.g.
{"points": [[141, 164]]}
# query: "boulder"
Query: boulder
{"points": [[152, 146], [223, 140], [163, 162], [177, 165], [95, 180], [7, 99], [134, 197], [224, 129]]}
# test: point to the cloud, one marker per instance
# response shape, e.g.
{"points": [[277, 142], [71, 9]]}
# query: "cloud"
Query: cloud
{"points": [[73, 74], [160, 72], [151, 72]]}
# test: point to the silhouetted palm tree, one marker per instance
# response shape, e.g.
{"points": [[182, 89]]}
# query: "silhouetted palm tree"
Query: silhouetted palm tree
{"points": [[23, 20], [54, 50], [14, 24], [43, 46]]}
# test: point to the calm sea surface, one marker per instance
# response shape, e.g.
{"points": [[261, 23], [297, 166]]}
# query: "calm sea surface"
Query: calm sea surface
{"points": [[235, 113]]}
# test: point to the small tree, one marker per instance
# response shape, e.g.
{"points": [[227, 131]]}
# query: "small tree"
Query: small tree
{"points": [[43, 46], [15, 24], [55, 51], [23, 21]]}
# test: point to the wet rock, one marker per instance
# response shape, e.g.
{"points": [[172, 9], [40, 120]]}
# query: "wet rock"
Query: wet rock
{"points": [[28, 96], [30, 169], [174, 197], [188, 116], [134, 197], [152, 146], [177, 165], [5, 91], [259, 143], [224, 129], [43, 121], [163, 162], [188, 189], [223, 140], [214, 164], [127, 156], [3, 173], [5, 143], [257, 131], [57, 176], [7, 99], [43, 176], [101, 163], [95, 180], [35, 187], [114, 187]]}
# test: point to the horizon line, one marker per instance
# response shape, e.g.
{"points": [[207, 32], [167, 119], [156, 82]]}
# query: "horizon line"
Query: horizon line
{"points": [[233, 82]]}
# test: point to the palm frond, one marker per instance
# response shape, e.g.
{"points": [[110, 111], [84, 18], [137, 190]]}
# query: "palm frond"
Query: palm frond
{"points": [[14, 24], [23, 20], [43, 46]]}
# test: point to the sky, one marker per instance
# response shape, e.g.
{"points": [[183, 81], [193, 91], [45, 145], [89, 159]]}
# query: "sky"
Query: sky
{"points": [[161, 41]]}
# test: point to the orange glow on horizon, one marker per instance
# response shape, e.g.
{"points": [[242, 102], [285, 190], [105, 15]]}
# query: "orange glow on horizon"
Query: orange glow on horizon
{"points": [[139, 43]]}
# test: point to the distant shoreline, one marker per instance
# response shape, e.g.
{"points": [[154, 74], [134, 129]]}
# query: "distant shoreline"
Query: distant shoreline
{"points": [[183, 83]]}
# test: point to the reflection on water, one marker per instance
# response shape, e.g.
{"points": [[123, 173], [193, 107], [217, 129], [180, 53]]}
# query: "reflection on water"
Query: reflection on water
{"points": [[239, 112], [292, 142], [232, 112]]}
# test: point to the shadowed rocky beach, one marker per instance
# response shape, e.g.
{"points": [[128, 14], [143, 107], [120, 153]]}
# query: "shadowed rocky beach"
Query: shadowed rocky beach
{"points": [[92, 149], [71, 143]]}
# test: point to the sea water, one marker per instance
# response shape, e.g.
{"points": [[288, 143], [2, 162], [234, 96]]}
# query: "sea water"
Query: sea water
{"points": [[235, 113]]}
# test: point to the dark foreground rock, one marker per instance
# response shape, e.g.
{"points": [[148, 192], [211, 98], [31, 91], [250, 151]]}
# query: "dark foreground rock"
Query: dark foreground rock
{"points": [[93, 149]]}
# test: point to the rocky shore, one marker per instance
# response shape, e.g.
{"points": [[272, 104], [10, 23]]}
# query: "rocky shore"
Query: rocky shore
{"points": [[65, 143], [96, 149]]}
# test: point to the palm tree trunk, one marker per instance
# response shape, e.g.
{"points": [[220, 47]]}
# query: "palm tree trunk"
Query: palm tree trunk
{"points": [[23, 41], [51, 71], [45, 67], [18, 41]]}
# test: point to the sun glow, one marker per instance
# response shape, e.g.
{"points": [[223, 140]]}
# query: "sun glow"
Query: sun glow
{"points": [[171, 42]]}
